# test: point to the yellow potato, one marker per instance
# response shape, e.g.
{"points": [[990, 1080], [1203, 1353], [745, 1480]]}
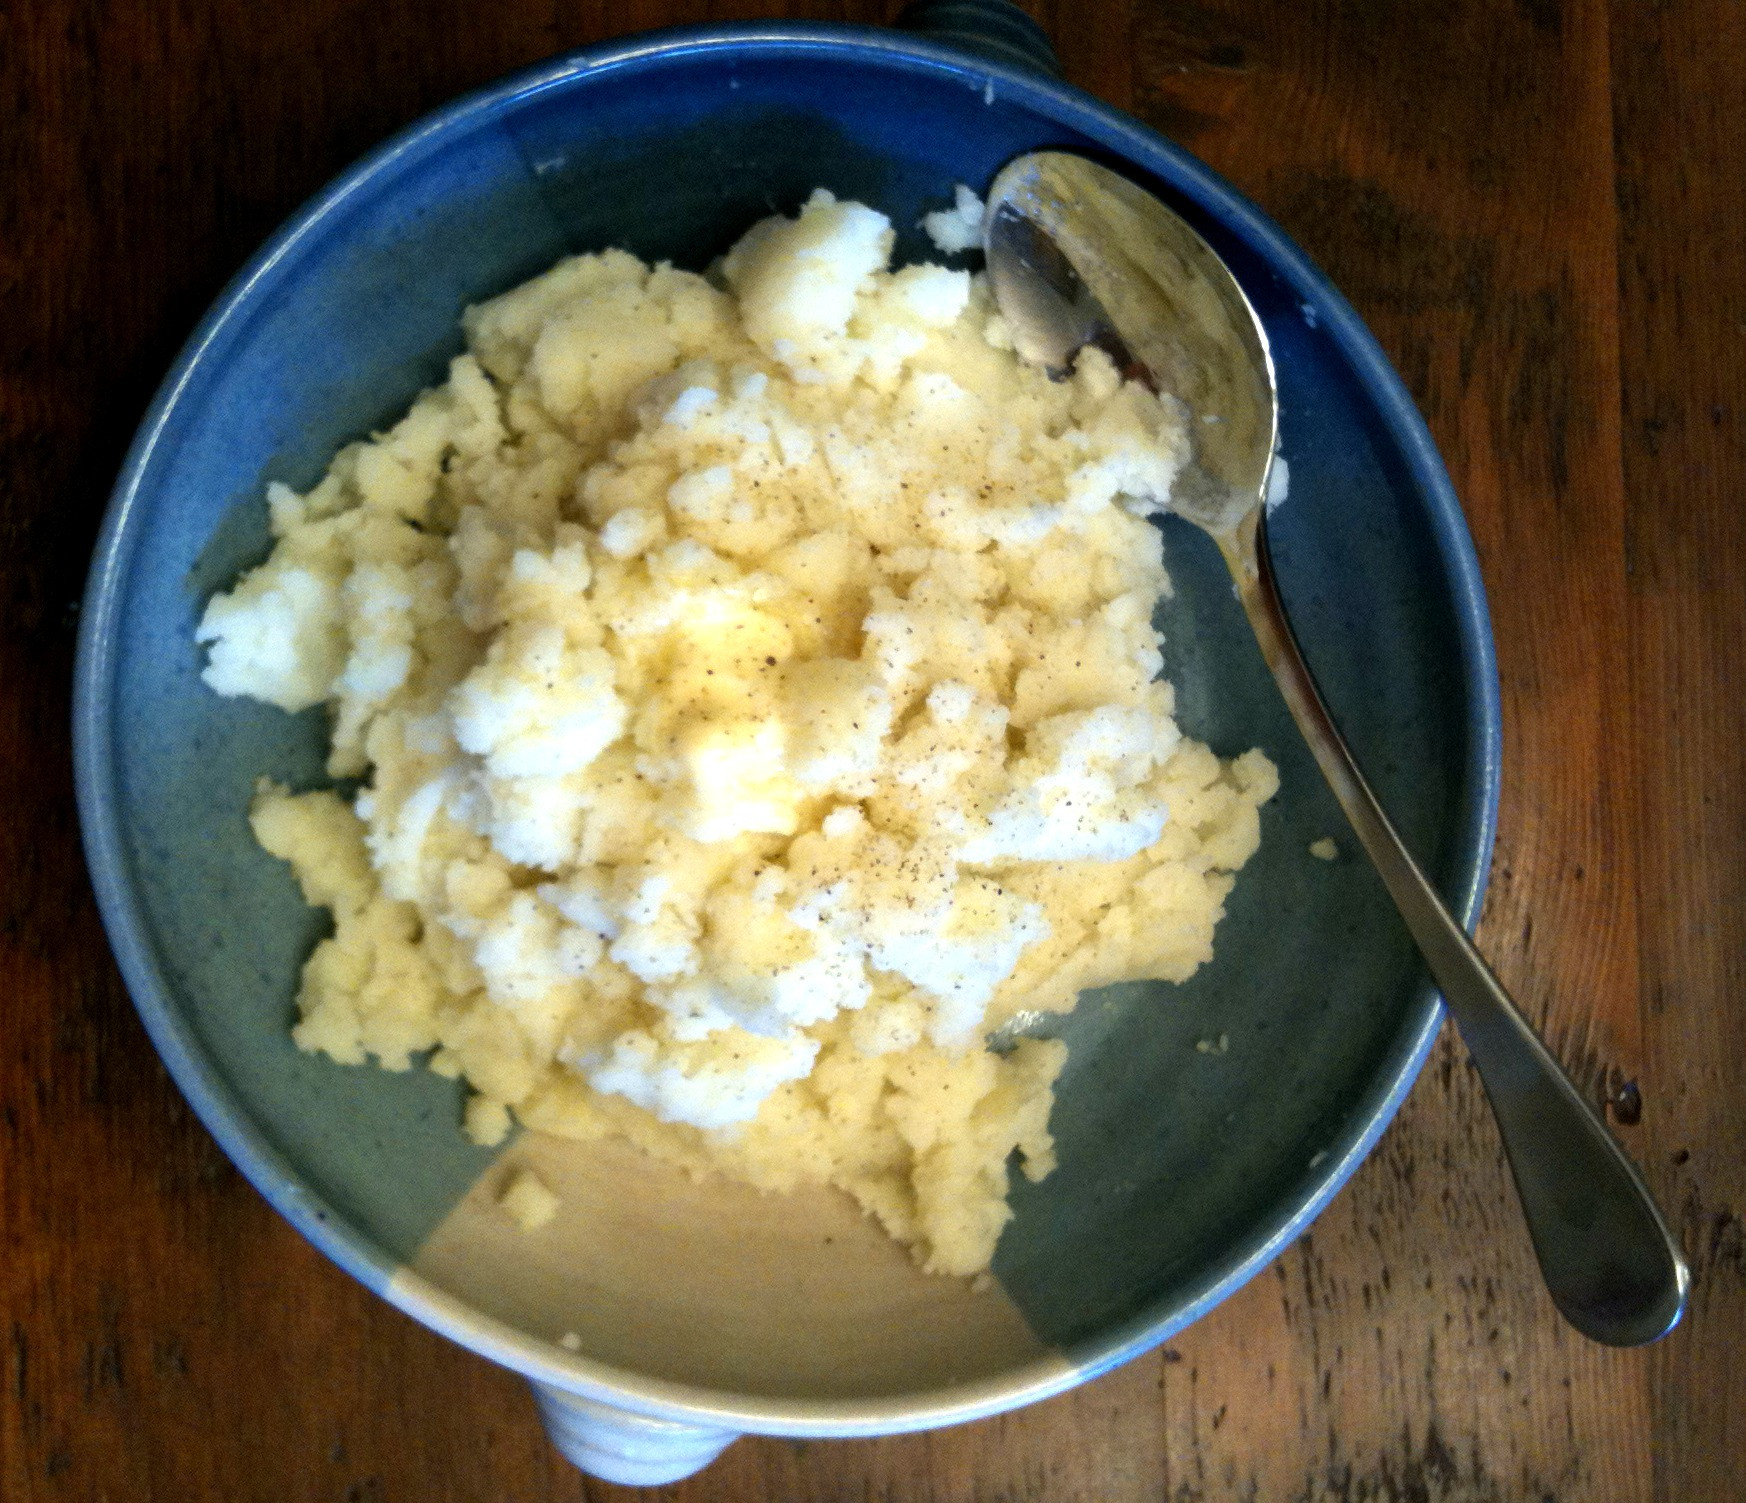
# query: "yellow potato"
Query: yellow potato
{"points": [[756, 691]]}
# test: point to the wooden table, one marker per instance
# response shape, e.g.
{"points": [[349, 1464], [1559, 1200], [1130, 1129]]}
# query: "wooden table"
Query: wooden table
{"points": [[1540, 207]]}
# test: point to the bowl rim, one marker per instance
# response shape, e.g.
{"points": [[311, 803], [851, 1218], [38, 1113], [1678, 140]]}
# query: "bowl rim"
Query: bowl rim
{"points": [[96, 772]]}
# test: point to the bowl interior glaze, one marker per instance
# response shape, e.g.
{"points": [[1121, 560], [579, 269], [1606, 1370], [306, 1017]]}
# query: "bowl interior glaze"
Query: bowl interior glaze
{"points": [[1181, 1170]]}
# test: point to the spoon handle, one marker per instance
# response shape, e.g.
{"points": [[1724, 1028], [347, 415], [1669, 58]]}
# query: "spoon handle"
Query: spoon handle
{"points": [[1612, 1266]]}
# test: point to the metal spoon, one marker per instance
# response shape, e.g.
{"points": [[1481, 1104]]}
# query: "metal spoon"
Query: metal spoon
{"points": [[1079, 256]]}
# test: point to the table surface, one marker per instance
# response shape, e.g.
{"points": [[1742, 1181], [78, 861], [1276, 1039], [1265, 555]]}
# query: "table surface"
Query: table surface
{"points": [[1538, 205]]}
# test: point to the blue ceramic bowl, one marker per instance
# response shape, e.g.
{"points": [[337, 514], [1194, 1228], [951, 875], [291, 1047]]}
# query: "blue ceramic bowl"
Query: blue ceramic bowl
{"points": [[1182, 1172]]}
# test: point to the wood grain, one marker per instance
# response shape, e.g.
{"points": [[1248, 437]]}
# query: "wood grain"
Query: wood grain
{"points": [[1681, 126], [1538, 206]]}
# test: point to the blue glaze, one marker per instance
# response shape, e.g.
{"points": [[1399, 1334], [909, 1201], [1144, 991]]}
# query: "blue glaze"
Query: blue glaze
{"points": [[671, 144]]}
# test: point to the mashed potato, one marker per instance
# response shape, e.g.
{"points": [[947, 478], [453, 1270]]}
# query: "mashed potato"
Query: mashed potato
{"points": [[755, 689]]}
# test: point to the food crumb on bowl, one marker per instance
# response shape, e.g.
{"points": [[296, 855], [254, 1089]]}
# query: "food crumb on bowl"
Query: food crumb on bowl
{"points": [[528, 1201], [753, 683], [1278, 482], [1324, 849], [1213, 1046]]}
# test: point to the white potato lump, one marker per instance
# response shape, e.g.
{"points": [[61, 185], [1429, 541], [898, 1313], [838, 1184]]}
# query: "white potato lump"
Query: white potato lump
{"points": [[755, 689]]}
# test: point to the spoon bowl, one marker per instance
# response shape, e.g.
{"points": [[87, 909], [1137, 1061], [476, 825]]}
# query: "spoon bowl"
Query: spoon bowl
{"points": [[1080, 257], [1075, 260]]}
